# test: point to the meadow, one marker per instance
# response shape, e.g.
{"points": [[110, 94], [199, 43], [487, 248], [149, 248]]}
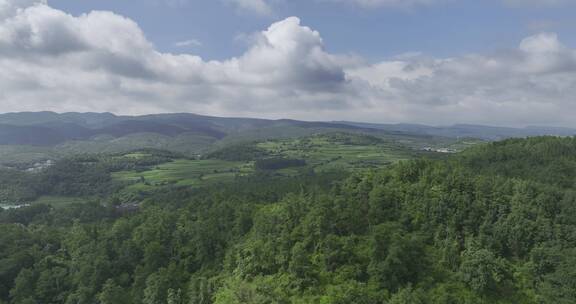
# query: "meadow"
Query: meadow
{"points": [[60, 201], [184, 172], [321, 152], [340, 151]]}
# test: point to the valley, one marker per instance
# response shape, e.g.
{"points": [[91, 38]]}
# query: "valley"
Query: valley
{"points": [[287, 152], [323, 152], [40, 136], [288, 214]]}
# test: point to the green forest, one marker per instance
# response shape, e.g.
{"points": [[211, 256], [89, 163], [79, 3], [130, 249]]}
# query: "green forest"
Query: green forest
{"points": [[493, 224]]}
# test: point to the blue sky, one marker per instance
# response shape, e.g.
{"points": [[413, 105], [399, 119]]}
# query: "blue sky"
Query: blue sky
{"points": [[495, 62], [446, 29]]}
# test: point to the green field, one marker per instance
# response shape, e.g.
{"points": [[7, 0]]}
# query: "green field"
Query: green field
{"points": [[60, 201], [325, 152], [322, 152], [54, 201], [184, 172]]}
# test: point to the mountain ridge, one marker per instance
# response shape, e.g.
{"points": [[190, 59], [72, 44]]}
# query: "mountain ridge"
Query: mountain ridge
{"points": [[485, 132], [50, 128]]}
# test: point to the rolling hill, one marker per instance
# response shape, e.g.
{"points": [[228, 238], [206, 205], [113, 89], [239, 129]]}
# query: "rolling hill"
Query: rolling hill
{"points": [[490, 133], [47, 128], [34, 136]]}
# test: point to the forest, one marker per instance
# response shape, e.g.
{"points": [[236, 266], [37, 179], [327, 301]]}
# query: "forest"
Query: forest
{"points": [[493, 224]]}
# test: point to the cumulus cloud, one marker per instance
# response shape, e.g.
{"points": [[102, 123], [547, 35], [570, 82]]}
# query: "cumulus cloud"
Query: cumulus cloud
{"points": [[10, 7], [534, 83], [101, 61], [260, 7], [188, 43], [389, 3], [542, 3], [416, 3]]}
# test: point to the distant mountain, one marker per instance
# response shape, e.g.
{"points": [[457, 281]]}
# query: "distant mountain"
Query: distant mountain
{"points": [[29, 135], [467, 131], [50, 129], [87, 120], [33, 136], [128, 127]]}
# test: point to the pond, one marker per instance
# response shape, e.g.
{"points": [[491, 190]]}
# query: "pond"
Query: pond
{"points": [[15, 206]]}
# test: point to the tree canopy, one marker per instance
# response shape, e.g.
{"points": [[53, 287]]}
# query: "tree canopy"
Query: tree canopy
{"points": [[495, 224]]}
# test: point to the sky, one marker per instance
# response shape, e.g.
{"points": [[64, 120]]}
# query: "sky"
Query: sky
{"points": [[439, 62]]}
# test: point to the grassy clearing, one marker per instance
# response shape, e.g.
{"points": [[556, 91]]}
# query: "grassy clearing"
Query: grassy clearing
{"points": [[322, 152], [329, 152], [184, 172], [136, 155], [59, 201]]}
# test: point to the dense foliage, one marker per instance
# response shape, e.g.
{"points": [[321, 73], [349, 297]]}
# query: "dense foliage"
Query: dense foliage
{"points": [[81, 175], [494, 225], [353, 139], [17, 186], [138, 160], [238, 152], [276, 163], [73, 177], [548, 160]]}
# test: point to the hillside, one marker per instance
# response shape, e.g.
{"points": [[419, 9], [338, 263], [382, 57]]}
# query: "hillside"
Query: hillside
{"points": [[75, 126], [39, 136], [140, 172], [468, 131], [494, 224]]}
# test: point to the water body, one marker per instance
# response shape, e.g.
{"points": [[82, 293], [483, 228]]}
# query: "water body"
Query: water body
{"points": [[7, 206]]}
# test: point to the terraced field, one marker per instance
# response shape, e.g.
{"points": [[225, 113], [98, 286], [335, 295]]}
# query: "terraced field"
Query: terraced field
{"points": [[60, 201], [326, 152], [322, 152], [184, 172], [54, 201]]}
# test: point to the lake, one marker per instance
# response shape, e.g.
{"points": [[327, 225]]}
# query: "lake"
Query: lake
{"points": [[16, 206]]}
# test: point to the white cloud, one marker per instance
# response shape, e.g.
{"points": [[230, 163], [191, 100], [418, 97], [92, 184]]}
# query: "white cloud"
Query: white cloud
{"points": [[101, 61], [532, 84], [176, 3], [540, 3], [416, 3], [188, 43], [10, 7], [389, 3], [259, 7]]}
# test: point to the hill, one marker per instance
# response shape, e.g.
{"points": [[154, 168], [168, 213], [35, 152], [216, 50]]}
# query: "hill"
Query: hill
{"points": [[494, 224], [68, 133], [468, 131], [140, 172], [38, 136]]}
